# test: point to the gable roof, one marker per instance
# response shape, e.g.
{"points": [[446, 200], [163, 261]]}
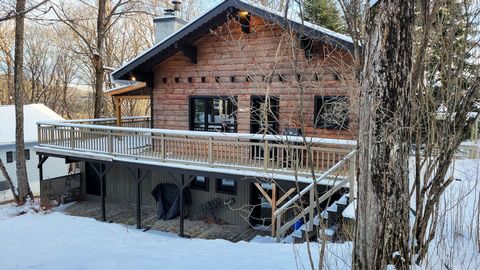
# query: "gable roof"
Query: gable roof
{"points": [[215, 17], [32, 114]]}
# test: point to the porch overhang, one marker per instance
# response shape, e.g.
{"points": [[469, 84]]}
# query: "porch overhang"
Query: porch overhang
{"points": [[131, 90]]}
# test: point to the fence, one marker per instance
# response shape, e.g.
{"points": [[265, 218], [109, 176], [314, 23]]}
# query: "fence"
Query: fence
{"points": [[62, 189]]}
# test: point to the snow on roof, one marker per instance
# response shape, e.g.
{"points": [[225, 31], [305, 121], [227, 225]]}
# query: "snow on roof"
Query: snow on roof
{"points": [[32, 114]]}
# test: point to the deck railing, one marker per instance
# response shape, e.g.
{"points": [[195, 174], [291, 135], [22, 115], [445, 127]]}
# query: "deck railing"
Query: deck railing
{"points": [[130, 121], [253, 152]]}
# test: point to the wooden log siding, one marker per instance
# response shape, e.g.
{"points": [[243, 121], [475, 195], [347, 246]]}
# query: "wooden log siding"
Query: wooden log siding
{"points": [[228, 53]]}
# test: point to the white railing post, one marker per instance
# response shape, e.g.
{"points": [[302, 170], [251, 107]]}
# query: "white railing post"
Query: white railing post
{"points": [[266, 155], [162, 147], [311, 213], [72, 138], [279, 232], [110, 142], [352, 174], [39, 134]]}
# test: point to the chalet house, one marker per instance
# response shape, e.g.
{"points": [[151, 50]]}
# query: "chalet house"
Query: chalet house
{"points": [[32, 113], [251, 114]]}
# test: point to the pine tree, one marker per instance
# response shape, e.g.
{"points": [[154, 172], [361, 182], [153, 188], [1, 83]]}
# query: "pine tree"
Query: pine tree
{"points": [[324, 13]]}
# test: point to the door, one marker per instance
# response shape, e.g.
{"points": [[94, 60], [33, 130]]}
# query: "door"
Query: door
{"points": [[263, 120], [264, 115], [92, 181]]}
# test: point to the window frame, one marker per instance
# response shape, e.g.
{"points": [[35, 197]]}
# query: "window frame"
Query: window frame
{"points": [[220, 187], [205, 187], [9, 156], [208, 105], [319, 101]]}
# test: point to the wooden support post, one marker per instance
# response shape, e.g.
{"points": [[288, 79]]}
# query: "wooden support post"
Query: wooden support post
{"points": [[139, 199], [101, 175], [274, 207], [40, 172], [182, 207], [118, 110], [137, 176]]}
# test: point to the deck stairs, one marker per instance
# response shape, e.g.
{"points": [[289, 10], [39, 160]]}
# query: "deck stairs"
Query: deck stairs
{"points": [[303, 216], [330, 222]]}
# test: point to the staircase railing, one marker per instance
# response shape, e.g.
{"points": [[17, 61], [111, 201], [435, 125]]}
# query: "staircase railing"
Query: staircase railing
{"points": [[338, 182]]}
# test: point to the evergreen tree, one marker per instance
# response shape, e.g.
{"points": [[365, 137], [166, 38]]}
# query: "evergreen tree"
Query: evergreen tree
{"points": [[324, 13]]}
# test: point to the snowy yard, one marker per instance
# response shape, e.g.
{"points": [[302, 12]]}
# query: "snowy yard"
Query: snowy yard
{"points": [[57, 241]]}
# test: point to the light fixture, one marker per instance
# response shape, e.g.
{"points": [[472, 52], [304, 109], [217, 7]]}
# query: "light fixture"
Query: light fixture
{"points": [[243, 14], [244, 19]]}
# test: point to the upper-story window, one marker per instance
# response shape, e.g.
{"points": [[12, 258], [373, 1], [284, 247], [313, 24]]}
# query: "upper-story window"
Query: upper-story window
{"points": [[331, 112], [213, 114]]}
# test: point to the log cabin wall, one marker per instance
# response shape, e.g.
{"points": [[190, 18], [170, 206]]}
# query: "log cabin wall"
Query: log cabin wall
{"points": [[232, 63]]}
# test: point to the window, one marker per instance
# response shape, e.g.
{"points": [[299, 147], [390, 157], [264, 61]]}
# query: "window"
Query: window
{"points": [[331, 112], [213, 114], [9, 157], [227, 186], [12, 155], [200, 183]]}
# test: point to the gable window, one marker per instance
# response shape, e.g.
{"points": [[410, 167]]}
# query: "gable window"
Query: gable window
{"points": [[213, 114], [200, 183], [331, 112], [227, 186]]}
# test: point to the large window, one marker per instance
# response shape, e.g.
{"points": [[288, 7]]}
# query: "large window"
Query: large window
{"points": [[331, 112], [213, 114]]}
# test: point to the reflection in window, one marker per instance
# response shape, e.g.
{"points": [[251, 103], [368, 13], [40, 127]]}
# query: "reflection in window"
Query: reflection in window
{"points": [[331, 112], [213, 114]]}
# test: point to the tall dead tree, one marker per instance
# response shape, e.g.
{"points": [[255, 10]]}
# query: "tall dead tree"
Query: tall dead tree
{"points": [[22, 178], [382, 230], [98, 59]]}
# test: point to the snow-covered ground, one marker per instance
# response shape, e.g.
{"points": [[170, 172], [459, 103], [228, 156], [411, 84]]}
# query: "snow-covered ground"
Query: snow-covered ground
{"points": [[58, 241], [38, 240]]}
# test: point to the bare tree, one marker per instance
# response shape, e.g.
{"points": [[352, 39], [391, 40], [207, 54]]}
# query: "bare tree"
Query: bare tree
{"points": [[382, 227], [447, 90], [22, 178]]}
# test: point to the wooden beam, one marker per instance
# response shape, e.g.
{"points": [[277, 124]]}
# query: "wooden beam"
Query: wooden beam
{"points": [[135, 97], [125, 89], [284, 196], [118, 110], [274, 207], [264, 193]]}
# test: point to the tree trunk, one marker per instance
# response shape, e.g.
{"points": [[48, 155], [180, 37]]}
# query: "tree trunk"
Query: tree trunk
{"points": [[98, 59], [382, 229], [22, 178], [9, 180]]}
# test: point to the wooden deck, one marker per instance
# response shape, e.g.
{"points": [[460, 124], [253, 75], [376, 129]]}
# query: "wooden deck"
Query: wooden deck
{"points": [[194, 229]]}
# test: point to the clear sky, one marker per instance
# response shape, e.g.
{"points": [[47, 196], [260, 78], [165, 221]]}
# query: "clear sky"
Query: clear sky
{"points": [[207, 4]]}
